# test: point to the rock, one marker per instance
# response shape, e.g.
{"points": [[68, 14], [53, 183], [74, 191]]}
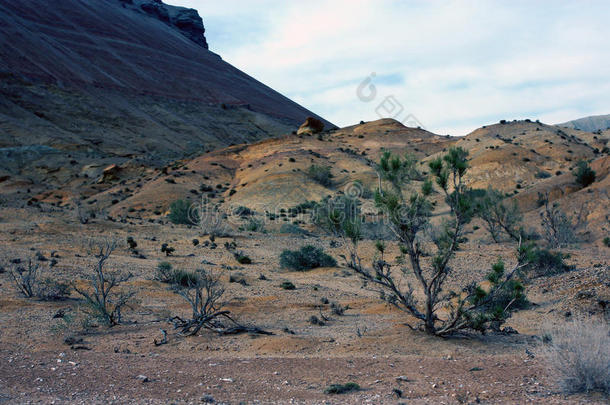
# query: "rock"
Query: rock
{"points": [[507, 330], [73, 340], [311, 126], [190, 24], [143, 378], [208, 399], [109, 173], [186, 20]]}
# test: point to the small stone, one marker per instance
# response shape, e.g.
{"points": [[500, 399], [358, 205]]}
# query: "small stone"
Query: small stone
{"points": [[143, 378], [208, 399]]}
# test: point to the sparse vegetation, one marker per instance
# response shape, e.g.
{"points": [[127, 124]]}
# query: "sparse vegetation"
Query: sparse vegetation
{"points": [[183, 278], [332, 213], [338, 309], [131, 243], [579, 358], [27, 282], [203, 292], [342, 388], [542, 175], [320, 174], [287, 285], [500, 217], [164, 272], [168, 250], [53, 290], [314, 320], [292, 229], [475, 307], [180, 212], [558, 228], [242, 258], [102, 298], [306, 258], [543, 263], [255, 225], [585, 176], [209, 219]]}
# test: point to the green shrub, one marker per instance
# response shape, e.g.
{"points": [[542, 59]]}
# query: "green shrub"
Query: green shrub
{"points": [[342, 388], [584, 174], [338, 309], [179, 213], [287, 285], [292, 229], [308, 257], [243, 211], [238, 278], [167, 274], [542, 175], [333, 214], [184, 278], [51, 290], [255, 225], [242, 258], [131, 243], [320, 174], [164, 272], [607, 241], [544, 262], [314, 320]]}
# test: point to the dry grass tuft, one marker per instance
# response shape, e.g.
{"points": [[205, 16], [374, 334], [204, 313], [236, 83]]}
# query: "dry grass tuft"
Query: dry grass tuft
{"points": [[579, 356]]}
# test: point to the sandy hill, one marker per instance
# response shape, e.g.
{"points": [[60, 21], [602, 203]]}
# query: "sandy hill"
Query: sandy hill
{"points": [[524, 159]]}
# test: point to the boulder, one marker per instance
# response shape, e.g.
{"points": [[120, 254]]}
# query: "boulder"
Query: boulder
{"points": [[109, 173], [311, 126], [185, 20]]}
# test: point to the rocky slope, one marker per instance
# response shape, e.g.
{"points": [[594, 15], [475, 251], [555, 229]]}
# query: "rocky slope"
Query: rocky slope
{"points": [[84, 81], [589, 124]]}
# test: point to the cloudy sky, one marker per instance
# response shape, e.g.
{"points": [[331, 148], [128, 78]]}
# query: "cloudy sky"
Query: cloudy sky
{"points": [[452, 66]]}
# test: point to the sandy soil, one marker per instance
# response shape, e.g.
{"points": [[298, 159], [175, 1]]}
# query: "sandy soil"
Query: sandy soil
{"points": [[369, 345]]}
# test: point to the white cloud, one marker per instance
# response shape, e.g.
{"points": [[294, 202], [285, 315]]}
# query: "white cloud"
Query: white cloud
{"points": [[455, 65]]}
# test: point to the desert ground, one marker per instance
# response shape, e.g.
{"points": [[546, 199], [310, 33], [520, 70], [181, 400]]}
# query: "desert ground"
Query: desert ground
{"points": [[51, 359]]}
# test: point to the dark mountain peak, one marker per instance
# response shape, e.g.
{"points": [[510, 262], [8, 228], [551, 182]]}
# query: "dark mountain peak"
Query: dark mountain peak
{"points": [[185, 20]]}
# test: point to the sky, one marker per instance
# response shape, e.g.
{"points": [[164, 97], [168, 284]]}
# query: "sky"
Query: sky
{"points": [[447, 66]]}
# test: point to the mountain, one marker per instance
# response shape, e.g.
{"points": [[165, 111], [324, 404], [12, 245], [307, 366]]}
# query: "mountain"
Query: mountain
{"points": [[100, 79], [589, 124]]}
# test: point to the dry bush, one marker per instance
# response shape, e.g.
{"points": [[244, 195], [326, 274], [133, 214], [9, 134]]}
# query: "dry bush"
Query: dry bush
{"points": [[579, 356], [203, 292], [558, 228], [499, 216], [321, 175], [209, 219], [104, 296], [27, 282]]}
